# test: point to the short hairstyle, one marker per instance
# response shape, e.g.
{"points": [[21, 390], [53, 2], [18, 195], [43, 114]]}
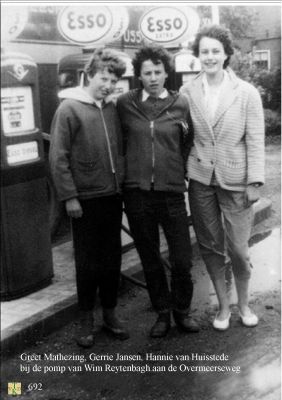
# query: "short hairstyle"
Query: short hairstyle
{"points": [[219, 33], [156, 54], [104, 58]]}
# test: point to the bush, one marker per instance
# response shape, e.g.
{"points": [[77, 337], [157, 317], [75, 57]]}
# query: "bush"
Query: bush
{"points": [[272, 123], [267, 82]]}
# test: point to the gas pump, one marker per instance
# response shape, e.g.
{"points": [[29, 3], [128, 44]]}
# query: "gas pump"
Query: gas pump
{"points": [[186, 67], [26, 258]]}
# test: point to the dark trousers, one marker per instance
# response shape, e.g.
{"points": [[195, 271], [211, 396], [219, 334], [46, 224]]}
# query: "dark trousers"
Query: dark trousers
{"points": [[97, 246], [146, 211]]}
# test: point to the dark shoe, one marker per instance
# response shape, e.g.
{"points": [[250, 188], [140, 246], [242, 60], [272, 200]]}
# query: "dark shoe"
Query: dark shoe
{"points": [[86, 336], [161, 326], [185, 322], [113, 325]]}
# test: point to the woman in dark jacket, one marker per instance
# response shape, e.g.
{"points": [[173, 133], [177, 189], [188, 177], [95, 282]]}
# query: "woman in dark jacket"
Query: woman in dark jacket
{"points": [[155, 128], [86, 163]]}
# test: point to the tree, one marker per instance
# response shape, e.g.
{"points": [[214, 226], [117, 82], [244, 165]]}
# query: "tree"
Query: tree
{"points": [[239, 19]]}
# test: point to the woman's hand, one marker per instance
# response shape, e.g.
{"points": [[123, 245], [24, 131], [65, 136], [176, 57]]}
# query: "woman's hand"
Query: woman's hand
{"points": [[73, 208], [253, 193]]}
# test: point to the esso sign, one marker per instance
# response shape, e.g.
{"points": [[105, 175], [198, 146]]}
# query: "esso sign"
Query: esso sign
{"points": [[91, 24], [13, 21], [169, 24]]}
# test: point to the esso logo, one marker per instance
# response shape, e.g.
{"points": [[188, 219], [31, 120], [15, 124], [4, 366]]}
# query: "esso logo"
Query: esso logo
{"points": [[163, 24], [84, 24], [169, 24], [13, 22], [91, 24]]}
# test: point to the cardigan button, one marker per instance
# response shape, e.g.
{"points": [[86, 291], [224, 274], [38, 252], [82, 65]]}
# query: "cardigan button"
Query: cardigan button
{"points": [[212, 162]]}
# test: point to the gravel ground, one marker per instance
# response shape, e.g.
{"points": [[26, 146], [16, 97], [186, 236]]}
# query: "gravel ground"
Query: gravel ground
{"points": [[254, 352]]}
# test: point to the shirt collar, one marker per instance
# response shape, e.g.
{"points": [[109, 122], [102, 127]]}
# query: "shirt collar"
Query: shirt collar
{"points": [[206, 85], [145, 95]]}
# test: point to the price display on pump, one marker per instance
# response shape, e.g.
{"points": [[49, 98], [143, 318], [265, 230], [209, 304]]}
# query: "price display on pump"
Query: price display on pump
{"points": [[17, 110]]}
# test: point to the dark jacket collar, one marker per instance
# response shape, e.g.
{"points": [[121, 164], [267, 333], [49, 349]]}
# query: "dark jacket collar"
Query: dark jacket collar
{"points": [[136, 94]]}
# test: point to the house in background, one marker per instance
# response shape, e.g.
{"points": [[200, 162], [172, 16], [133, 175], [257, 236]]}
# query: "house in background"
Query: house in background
{"points": [[264, 46]]}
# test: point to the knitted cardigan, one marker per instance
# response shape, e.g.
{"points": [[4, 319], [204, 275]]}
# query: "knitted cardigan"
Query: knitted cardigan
{"points": [[232, 146]]}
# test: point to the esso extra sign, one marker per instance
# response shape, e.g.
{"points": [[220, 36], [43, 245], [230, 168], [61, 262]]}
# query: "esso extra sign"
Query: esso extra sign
{"points": [[169, 24], [92, 24], [13, 21]]}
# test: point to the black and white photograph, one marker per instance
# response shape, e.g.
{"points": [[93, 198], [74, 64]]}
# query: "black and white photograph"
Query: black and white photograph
{"points": [[140, 200]]}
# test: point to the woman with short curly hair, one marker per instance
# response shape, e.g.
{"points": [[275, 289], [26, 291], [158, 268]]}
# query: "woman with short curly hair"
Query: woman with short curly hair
{"points": [[218, 33], [157, 54], [225, 167], [157, 138]]}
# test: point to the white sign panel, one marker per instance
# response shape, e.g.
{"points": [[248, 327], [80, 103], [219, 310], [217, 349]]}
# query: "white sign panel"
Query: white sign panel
{"points": [[185, 62], [13, 21], [129, 67], [22, 152], [93, 24], [169, 24], [17, 110], [122, 86]]}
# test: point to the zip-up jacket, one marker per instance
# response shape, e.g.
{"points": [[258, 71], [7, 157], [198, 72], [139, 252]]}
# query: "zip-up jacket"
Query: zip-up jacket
{"points": [[154, 148], [86, 147]]}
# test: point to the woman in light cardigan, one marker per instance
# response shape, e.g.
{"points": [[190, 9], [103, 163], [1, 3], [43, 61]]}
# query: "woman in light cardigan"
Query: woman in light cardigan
{"points": [[225, 167]]}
